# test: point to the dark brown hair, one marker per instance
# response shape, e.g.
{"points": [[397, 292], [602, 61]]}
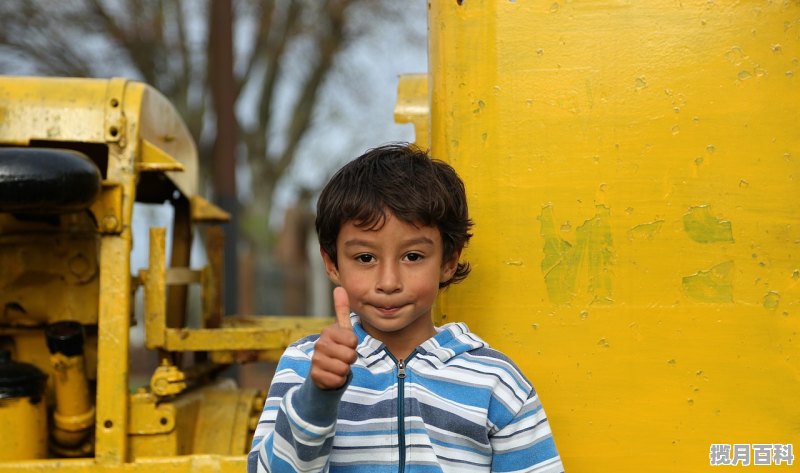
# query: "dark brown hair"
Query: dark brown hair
{"points": [[402, 179]]}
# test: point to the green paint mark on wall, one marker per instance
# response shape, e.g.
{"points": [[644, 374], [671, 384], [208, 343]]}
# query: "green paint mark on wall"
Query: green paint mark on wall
{"points": [[645, 231], [560, 262], [593, 245], [703, 227], [712, 285]]}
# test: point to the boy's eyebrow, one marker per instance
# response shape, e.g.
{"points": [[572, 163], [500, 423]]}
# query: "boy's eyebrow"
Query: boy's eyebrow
{"points": [[358, 242], [414, 241], [418, 241]]}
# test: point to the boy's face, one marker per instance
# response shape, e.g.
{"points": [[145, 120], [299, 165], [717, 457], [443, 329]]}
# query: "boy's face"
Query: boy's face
{"points": [[392, 277]]}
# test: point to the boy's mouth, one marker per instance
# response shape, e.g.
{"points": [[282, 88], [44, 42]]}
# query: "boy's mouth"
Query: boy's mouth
{"points": [[388, 311]]}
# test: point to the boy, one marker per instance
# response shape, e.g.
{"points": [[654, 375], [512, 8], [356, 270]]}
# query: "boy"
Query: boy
{"points": [[384, 389]]}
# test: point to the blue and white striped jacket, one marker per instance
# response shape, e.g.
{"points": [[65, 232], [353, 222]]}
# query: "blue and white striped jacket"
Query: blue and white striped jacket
{"points": [[453, 405]]}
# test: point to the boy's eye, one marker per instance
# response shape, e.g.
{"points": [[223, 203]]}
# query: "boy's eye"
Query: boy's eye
{"points": [[413, 257], [365, 258]]}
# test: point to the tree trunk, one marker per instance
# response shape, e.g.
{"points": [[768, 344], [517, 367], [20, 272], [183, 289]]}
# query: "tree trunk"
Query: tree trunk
{"points": [[223, 90]]}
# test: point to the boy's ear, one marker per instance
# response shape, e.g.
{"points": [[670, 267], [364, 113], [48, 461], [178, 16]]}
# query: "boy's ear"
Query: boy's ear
{"points": [[330, 266], [449, 267]]}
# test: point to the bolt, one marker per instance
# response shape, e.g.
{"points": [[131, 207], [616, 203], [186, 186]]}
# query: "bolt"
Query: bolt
{"points": [[109, 223]]}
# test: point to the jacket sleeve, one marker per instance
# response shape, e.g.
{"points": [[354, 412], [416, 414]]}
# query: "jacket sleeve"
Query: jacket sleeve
{"points": [[296, 428], [525, 443]]}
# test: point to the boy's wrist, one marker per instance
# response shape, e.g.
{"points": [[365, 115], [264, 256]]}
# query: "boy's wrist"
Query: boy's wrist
{"points": [[318, 406]]}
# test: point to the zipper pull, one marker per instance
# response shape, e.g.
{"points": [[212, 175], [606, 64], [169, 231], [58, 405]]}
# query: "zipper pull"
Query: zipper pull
{"points": [[401, 369]]}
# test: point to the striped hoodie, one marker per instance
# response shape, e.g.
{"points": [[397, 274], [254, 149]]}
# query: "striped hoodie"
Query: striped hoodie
{"points": [[454, 405]]}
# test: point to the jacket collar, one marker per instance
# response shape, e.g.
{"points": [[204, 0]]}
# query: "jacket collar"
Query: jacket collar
{"points": [[450, 340]]}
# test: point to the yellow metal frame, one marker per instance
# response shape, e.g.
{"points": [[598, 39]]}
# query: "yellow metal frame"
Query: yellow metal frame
{"points": [[266, 335], [144, 135]]}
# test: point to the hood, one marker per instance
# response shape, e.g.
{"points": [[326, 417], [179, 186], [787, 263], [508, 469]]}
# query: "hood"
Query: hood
{"points": [[451, 340]]}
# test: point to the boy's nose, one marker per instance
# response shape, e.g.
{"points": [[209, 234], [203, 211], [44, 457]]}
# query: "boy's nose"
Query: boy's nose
{"points": [[389, 280]]}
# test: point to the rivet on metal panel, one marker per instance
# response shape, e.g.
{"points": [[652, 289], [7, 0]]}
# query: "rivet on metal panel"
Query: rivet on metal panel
{"points": [[107, 208], [109, 223], [114, 119]]}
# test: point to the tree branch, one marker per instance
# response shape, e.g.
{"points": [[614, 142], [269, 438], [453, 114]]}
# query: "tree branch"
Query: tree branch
{"points": [[328, 46], [275, 53], [259, 43]]}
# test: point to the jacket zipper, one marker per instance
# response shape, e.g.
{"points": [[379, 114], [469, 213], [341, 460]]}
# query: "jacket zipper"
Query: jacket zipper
{"points": [[401, 416], [401, 424]]}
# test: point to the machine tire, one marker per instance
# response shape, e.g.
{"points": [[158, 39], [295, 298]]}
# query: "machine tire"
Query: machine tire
{"points": [[47, 180]]}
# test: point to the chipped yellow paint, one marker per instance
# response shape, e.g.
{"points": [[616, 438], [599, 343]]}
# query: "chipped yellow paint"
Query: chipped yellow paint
{"points": [[646, 231], [644, 155], [562, 261], [712, 285], [703, 227]]}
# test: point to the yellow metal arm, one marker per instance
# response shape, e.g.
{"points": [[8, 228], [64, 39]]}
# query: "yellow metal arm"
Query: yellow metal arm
{"points": [[266, 336]]}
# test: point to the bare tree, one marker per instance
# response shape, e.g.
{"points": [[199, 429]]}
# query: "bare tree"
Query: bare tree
{"points": [[283, 52]]}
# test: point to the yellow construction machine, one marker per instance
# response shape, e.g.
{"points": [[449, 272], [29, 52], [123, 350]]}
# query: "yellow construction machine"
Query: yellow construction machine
{"points": [[75, 154]]}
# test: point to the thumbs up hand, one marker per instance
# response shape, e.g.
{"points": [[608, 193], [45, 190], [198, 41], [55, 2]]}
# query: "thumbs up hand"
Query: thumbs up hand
{"points": [[335, 349], [341, 303]]}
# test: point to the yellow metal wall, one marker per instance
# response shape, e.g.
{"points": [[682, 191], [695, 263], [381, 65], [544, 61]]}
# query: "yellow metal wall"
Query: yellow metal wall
{"points": [[631, 169]]}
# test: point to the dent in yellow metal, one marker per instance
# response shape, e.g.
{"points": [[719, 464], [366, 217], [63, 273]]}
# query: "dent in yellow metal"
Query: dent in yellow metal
{"points": [[413, 106], [771, 300], [107, 208], [152, 158], [712, 285], [561, 261], [205, 211], [703, 227]]}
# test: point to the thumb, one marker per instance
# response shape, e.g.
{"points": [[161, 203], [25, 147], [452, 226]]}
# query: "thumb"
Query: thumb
{"points": [[342, 305]]}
